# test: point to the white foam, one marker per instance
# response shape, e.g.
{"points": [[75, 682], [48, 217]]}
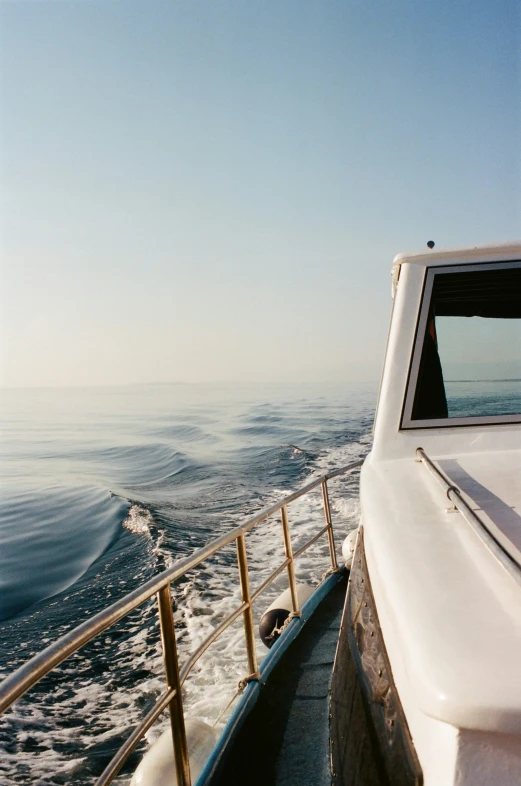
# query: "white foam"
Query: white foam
{"points": [[224, 664], [138, 520]]}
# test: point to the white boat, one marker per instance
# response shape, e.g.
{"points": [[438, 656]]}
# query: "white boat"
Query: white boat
{"points": [[441, 522], [426, 685]]}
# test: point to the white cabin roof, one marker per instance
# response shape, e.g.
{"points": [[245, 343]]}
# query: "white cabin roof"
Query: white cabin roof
{"points": [[461, 254]]}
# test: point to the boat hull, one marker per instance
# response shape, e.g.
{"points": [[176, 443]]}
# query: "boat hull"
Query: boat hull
{"points": [[370, 740]]}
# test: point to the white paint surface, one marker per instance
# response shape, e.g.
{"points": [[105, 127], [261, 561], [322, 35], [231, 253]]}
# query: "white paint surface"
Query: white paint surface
{"points": [[450, 613]]}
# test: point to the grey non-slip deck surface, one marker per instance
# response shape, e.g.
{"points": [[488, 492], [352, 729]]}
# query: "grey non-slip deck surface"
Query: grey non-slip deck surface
{"points": [[285, 739]]}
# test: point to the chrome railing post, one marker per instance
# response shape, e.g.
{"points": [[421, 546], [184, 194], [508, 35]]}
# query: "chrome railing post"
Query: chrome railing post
{"points": [[177, 720], [330, 535], [291, 566], [248, 613]]}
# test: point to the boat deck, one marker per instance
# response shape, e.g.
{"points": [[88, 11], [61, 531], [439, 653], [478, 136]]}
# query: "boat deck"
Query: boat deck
{"points": [[285, 739]]}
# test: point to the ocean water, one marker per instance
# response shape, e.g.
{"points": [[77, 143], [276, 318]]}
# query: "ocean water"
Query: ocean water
{"points": [[483, 398], [103, 488]]}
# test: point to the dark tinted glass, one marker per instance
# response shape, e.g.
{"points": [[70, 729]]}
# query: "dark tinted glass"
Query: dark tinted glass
{"points": [[471, 355]]}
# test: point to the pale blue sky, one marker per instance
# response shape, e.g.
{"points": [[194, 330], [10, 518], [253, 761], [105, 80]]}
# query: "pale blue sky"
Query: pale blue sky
{"points": [[212, 190]]}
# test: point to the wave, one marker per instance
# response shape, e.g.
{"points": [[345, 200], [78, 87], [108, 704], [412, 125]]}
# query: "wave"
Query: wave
{"points": [[49, 539], [183, 432], [139, 463]]}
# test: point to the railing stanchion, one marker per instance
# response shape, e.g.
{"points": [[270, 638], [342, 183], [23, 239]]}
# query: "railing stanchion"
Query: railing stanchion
{"points": [[291, 565], [248, 613], [330, 535], [177, 720]]}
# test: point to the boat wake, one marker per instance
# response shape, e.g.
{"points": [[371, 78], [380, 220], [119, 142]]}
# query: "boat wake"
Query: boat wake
{"points": [[70, 724]]}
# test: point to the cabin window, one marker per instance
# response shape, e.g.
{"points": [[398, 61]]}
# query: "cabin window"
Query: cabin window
{"points": [[466, 365]]}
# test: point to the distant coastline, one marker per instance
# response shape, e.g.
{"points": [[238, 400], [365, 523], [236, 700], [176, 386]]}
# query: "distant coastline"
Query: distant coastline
{"points": [[516, 379]]}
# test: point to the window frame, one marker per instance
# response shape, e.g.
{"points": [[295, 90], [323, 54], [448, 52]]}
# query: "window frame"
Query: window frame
{"points": [[414, 366]]}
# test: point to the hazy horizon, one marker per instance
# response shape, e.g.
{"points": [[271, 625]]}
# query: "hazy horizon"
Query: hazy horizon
{"points": [[279, 382]]}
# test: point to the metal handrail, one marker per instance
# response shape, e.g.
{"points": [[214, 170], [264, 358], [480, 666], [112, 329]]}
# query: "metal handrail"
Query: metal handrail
{"points": [[31, 672], [455, 495]]}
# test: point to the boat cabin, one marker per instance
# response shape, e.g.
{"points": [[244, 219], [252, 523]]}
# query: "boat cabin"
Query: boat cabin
{"points": [[441, 515]]}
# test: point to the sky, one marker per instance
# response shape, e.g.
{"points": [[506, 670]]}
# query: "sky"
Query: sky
{"points": [[214, 190]]}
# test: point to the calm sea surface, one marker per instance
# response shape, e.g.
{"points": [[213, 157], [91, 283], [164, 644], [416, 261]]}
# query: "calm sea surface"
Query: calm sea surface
{"points": [[103, 488]]}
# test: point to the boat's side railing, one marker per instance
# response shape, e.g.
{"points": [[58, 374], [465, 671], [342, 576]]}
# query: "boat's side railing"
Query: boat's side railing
{"points": [[37, 667], [455, 495]]}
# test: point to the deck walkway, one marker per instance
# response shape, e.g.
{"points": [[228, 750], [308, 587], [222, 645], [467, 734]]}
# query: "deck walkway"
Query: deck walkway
{"points": [[285, 739]]}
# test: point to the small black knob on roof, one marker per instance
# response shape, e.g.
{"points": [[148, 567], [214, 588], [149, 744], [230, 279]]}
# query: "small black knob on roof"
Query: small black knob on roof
{"points": [[430, 243]]}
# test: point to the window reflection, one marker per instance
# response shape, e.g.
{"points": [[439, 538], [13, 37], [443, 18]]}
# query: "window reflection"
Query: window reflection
{"points": [[471, 355]]}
